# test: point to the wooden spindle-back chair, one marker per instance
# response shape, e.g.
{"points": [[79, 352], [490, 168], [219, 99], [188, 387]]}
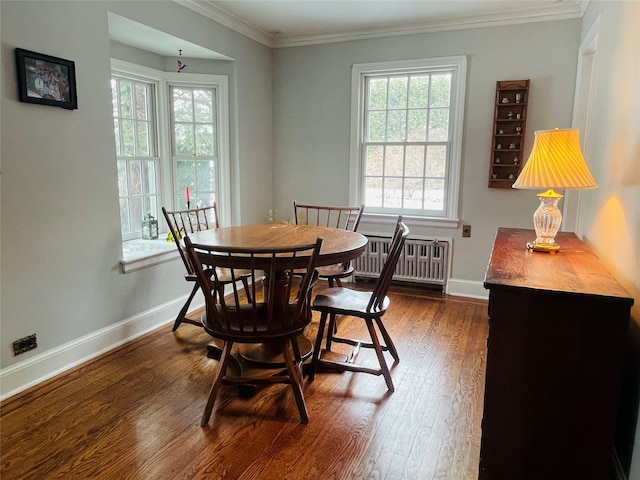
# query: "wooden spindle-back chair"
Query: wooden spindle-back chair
{"points": [[275, 313], [346, 218], [181, 223], [370, 307]]}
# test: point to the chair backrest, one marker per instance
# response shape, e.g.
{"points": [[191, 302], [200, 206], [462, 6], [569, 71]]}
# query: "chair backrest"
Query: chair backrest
{"points": [[184, 222], [346, 218], [272, 312], [384, 280]]}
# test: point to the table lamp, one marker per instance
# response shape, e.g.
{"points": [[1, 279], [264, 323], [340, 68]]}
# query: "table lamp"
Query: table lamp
{"points": [[556, 161]]}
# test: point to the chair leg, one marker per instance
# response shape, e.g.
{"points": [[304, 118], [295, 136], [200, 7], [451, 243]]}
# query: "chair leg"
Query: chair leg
{"points": [[296, 381], [387, 340], [332, 330], [318, 346], [217, 381], [380, 355], [185, 307]]}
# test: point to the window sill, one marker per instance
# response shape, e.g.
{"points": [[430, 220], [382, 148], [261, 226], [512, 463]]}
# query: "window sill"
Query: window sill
{"points": [[139, 254], [383, 219]]}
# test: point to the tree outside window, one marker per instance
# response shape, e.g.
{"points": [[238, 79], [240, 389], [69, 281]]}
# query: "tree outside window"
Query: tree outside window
{"points": [[195, 150], [135, 134], [409, 131]]}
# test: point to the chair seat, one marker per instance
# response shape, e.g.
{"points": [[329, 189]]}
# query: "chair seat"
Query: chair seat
{"points": [[346, 301], [224, 274], [336, 271], [330, 271]]}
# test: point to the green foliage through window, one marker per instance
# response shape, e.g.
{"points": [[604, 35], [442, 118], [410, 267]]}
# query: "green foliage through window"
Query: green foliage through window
{"points": [[134, 129], [195, 149]]}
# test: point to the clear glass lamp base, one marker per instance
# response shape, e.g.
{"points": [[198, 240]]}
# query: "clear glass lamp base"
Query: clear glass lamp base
{"points": [[546, 221]]}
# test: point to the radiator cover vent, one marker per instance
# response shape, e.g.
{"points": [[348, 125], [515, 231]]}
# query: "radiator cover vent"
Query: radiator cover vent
{"points": [[422, 261]]}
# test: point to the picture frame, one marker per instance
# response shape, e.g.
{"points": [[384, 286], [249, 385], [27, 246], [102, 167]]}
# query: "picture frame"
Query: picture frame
{"points": [[46, 80]]}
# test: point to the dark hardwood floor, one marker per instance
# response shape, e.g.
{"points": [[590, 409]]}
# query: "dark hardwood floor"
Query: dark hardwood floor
{"points": [[134, 413]]}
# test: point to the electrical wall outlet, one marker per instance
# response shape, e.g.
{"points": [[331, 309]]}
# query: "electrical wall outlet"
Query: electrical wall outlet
{"points": [[466, 230], [25, 344]]}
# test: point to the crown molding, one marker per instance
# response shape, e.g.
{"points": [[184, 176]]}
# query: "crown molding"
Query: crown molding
{"points": [[562, 10], [478, 21], [215, 13]]}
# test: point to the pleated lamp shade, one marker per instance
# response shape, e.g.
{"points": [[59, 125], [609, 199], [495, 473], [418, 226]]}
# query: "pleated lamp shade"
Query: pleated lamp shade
{"points": [[556, 161]]}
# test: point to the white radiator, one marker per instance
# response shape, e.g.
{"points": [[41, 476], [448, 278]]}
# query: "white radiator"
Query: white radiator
{"points": [[422, 261]]}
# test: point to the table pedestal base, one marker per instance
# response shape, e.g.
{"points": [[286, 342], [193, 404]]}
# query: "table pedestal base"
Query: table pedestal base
{"points": [[259, 355], [269, 356]]}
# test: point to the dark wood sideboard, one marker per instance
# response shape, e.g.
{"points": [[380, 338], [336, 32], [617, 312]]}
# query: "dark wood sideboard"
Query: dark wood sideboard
{"points": [[557, 329]]}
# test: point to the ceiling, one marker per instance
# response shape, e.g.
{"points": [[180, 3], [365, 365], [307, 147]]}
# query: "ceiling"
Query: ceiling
{"points": [[284, 23]]}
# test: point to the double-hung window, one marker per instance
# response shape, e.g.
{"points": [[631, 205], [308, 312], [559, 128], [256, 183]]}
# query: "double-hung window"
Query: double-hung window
{"points": [[171, 132], [135, 130], [194, 144], [406, 137]]}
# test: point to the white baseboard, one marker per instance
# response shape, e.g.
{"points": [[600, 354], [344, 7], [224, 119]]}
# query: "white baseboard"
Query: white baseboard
{"points": [[41, 367], [466, 288], [32, 371]]}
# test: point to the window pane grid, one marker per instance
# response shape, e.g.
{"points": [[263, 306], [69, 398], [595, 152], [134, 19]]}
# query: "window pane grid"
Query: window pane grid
{"points": [[408, 176], [194, 145], [148, 158], [137, 185], [133, 122], [138, 164], [407, 141]]}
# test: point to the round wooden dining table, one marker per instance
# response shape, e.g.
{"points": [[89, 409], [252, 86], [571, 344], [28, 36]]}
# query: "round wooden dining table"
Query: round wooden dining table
{"points": [[338, 246]]}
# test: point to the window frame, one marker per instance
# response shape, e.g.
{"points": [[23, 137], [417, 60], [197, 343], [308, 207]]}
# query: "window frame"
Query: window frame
{"points": [[154, 157], [166, 174], [176, 157], [359, 73]]}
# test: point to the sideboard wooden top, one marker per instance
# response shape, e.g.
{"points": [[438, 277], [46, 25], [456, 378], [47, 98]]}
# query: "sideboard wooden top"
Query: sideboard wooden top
{"points": [[572, 270]]}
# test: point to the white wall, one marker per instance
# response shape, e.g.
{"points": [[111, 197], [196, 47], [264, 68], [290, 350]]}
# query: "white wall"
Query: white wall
{"points": [[611, 214], [312, 120], [60, 242], [61, 246]]}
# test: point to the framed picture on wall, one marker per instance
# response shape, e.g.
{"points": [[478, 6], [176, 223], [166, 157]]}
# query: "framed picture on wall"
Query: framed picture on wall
{"points": [[46, 80]]}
